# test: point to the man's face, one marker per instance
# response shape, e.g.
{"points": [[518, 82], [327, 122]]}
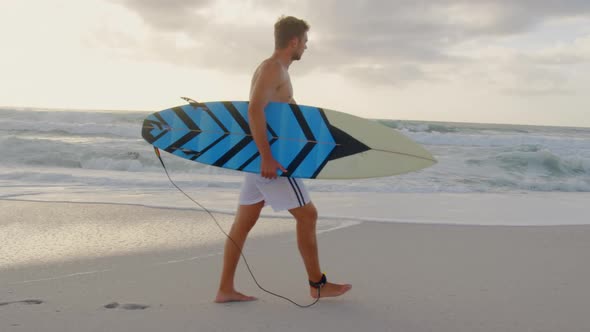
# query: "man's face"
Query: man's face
{"points": [[299, 46]]}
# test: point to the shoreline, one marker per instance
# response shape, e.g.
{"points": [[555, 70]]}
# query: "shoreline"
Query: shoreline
{"points": [[482, 209]]}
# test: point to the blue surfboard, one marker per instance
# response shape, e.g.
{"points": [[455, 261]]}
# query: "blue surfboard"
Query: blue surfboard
{"points": [[308, 141]]}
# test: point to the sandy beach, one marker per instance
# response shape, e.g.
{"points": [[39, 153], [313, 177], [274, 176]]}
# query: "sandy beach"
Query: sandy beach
{"points": [[107, 267]]}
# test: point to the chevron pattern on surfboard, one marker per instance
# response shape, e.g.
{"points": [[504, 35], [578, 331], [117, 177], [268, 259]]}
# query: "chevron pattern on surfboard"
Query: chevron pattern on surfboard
{"points": [[217, 133], [302, 139]]}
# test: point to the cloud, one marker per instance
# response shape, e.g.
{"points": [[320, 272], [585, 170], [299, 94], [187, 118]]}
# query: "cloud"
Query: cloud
{"points": [[169, 15], [383, 42], [577, 52], [533, 80]]}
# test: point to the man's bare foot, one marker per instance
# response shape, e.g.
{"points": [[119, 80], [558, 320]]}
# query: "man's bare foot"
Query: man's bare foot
{"points": [[224, 297], [330, 290]]}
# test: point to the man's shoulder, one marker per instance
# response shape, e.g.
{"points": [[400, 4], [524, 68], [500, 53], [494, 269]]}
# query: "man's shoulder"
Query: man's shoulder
{"points": [[270, 66]]}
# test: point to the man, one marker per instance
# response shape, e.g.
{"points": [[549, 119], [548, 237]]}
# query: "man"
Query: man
{"points": [[271, 83]]}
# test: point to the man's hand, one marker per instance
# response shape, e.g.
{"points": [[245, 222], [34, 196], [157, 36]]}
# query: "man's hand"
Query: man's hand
{"points": [[269, 166]]}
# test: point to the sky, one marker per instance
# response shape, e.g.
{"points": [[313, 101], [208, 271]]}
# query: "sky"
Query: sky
{"points": [[486, 61]]}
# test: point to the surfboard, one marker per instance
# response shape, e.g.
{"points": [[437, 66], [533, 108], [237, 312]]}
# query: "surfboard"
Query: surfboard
{"points": [[310, 142]]}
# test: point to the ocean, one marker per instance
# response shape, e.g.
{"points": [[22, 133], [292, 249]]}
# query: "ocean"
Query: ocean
{"points": [[505, 172], [49, 147]]}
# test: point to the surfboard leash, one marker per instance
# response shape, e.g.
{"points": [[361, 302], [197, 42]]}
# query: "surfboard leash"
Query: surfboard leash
{"points": [[317, 285]]}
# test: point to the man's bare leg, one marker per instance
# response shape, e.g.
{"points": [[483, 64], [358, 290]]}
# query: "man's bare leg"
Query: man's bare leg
{"points": [[306, 217], [246, 218]]}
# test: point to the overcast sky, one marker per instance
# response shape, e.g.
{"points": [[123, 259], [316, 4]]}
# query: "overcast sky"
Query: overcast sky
{"points": [[523, 62]]}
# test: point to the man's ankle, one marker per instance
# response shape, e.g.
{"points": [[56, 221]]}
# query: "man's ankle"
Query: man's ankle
{"points": [[226, 289]]}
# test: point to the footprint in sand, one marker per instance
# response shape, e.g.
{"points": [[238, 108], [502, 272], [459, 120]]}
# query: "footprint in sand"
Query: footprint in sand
{"points": [[128, 306], [28, 302]]}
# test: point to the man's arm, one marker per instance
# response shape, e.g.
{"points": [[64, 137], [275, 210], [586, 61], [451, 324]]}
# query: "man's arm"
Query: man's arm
{"points": [[266, 84]]}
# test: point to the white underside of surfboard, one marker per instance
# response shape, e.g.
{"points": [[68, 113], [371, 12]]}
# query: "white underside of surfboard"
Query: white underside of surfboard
{"points": [[391, 152]]}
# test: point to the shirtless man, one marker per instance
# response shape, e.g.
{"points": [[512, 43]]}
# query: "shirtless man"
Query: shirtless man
{"points": [[270, 83]]}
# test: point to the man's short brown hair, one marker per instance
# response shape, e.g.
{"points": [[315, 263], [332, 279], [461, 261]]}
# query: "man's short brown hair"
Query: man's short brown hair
{"points": [[287, 28]]}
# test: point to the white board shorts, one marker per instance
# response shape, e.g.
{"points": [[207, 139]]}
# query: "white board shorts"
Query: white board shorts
{"points": [[282, 193]]}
